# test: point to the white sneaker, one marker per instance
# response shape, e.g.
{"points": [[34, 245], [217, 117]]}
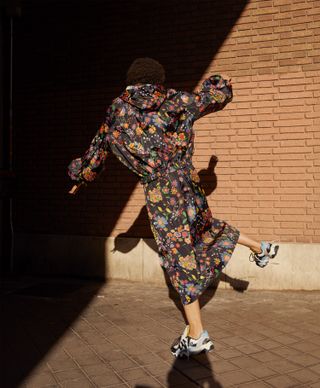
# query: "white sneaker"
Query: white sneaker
{"points": [[187, 346], [268, 251]]}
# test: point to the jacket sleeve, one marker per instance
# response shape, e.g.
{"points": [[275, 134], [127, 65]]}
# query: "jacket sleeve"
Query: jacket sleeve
{"points": [[92, 163], [214, 95]]}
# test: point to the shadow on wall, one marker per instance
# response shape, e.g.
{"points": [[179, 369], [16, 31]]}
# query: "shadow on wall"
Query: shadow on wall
{"points": [[70, 60]]}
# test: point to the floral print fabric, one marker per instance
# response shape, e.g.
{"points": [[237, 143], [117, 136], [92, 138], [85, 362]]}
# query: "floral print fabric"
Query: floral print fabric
{"points": [[150, 130]]}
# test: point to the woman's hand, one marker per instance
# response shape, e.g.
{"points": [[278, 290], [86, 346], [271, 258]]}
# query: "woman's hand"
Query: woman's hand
{"points": [[75, 189], [228, 79]]}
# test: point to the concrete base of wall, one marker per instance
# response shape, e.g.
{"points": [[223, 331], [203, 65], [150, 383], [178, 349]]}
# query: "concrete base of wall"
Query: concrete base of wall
{"points": [[297, 266]]}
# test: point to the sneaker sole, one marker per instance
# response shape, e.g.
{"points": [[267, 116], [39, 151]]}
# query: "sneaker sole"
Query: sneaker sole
{"points": [[206, 349]]}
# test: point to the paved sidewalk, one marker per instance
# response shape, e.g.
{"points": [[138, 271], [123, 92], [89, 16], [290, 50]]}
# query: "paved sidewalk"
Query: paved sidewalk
{"points": [[68, 333]]}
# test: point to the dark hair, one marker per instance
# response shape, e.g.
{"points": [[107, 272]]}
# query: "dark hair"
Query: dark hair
{"points": [[145, 71]]}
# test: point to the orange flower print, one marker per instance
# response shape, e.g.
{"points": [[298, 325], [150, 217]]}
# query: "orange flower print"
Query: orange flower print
{"points": [[194, 176], [174, 190], [188, 262], [152, 129], [116, 134], [88, 174], [139, 131], [103, 128], [155, 195]]}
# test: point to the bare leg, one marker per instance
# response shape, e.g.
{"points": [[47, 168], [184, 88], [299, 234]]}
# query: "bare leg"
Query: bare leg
{"points": [[193, 315], [248, 242], [192, 310]]}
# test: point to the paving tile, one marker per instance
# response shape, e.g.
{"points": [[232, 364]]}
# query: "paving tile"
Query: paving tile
{"points": [[265, 356], [104, 347], [149, 358], [305, 375], [158, 368], [229, 354], [92, 337], [285, 351], [86, 358], [261, 371], [61, 364], [315, 368], [133, 374], [255, 384], [305, 346], [249, 348], [145, 382], [113, 355], [219, 345], [303, 334], [285, 328], [106, 379], [315, 339], [214, 357], [124, 363], [282, 382], [234, 341], [286, 339], [267, 343], [97, 369], [234, 377], [315, 353], [70, 374], [245, 362], [164, 355], [303, 359], [39, 380], [83, 383], [282, 366], [251, 336], [224, 366]]}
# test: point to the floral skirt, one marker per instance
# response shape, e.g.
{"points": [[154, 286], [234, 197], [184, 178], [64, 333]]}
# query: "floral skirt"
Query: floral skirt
{"points": [[193, 246]]}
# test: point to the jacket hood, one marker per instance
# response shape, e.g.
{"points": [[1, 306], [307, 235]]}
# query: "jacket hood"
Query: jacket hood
{"points": [[144, 96]]}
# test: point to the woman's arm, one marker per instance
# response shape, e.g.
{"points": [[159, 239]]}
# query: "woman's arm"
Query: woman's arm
{"points": [[86, 168], [214, 94]]}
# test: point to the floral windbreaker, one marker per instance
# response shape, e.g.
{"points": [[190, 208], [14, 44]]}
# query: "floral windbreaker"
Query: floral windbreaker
{"points": [[150, 130]]}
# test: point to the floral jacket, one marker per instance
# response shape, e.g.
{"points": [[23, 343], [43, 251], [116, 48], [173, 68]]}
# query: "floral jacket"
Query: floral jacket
{"points": [[149, 129]]}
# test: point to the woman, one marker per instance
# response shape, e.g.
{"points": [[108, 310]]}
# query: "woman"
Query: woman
{"points": [[149, 129]]}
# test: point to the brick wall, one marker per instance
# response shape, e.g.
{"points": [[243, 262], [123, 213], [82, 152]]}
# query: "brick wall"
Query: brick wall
{"points": [[70, 61], [268, 138]]}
